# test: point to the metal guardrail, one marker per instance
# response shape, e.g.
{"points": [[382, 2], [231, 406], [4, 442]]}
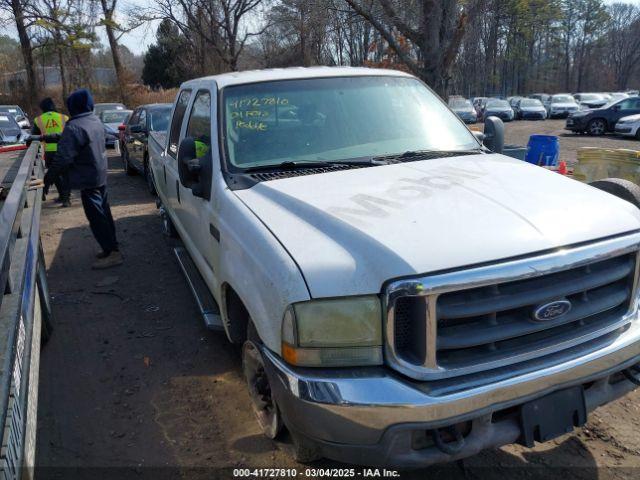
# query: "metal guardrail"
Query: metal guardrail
{"points": [[24, 309]]}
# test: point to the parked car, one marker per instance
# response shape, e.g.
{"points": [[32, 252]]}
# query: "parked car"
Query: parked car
{"points": [[135, 137], [498, 108], [602, 120], [464, 109], [629, 126], [618, 95], [315, 207], [479, 104], [561, 105], [18, 114], [530, 109], [10, 131], [513, 101], [543, 97], [112, 119], [590, 100], [98, 108]]}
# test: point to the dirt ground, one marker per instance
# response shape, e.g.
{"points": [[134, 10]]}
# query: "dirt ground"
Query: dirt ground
{"points": [[134, 386]]}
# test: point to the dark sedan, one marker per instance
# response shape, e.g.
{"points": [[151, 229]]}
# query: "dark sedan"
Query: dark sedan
{"points": [[530, 109], [498, 108], [10, 131], [135, 134], [464, 109], [602, 120]]}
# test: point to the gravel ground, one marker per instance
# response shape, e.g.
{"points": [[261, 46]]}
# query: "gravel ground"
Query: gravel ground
{"points": [[134, 386]]}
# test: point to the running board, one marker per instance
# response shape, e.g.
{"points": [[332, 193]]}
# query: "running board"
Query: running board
{"points": [[206, 303]]}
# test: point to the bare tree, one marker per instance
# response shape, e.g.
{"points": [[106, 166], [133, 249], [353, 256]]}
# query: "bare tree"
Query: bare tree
{"points": [[218, 22], [17, 9], [624, 42], [111, 26], [434, 28]]}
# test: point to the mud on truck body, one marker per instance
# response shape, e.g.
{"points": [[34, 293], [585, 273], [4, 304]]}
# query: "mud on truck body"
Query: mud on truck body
{"points": [[404, 295]]}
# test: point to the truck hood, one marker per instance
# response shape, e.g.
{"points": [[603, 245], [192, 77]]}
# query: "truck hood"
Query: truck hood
{"points": [[350, 231]]}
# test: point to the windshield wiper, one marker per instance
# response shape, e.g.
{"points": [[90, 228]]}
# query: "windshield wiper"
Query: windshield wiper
{"points": [[430, 154], [290, 165]]}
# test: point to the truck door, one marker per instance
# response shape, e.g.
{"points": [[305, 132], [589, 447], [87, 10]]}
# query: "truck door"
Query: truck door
{"points": [[197, 214], [169, 174]]}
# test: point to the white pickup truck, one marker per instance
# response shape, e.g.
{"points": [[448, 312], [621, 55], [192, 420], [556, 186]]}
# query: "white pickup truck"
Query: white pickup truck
{"points": [[403, 295]]}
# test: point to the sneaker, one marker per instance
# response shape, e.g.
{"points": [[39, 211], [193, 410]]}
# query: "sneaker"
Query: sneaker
{"points": [[112, 260], [66, 203]]}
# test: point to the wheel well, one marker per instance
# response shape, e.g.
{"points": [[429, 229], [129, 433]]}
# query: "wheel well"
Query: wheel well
{"points": [[236, 315]]}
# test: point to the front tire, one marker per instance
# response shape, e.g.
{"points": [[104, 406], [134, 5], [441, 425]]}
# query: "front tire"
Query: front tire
{"points": [[621, 188], [638, 134], [262, 401], [597, 127]]}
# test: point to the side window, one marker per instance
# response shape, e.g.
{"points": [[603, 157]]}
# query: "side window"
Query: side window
{"points": [[630, 104], [199, 127], [176, 122], [133, 120], [142, 120]]}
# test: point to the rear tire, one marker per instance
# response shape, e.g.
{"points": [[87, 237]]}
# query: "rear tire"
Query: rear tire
{"points": [[127, 166], [597, 127], [621, 188], [167, 225]]}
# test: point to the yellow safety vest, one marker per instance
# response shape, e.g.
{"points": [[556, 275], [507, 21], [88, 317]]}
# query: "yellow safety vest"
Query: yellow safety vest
{"points": [[50, 123], [201, 149]]}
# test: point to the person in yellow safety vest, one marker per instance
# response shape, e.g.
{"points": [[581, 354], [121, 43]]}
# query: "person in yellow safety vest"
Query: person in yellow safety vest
{"points": [[52, 122]]}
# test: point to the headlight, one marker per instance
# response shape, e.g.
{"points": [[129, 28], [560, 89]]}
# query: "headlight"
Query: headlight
{"points": [[337, 332]]}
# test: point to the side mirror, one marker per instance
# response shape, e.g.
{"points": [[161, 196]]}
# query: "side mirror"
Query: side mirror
{"points": [[615, 108], [137, 128], [494, 134], [194, 172]]}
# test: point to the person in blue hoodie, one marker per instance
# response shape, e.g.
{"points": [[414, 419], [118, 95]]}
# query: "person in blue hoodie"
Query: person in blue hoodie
{"points": [[82, 156]]}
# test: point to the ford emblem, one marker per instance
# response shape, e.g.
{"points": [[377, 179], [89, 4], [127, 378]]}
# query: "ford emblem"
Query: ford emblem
{"points": [[551, 311]]}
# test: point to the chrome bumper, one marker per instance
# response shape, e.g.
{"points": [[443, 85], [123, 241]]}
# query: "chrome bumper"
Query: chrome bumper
{"points": [[368, 415]]}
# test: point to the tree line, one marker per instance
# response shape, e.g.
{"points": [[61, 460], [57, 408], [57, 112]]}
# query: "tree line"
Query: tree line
{"points": [[469, 47]]}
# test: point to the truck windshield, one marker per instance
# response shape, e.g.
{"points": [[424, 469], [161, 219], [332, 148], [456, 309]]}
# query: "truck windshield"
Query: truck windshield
{"points": [[335, 119]]}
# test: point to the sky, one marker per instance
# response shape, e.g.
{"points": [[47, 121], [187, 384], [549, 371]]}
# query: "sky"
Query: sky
{"points": [[138, 40]]}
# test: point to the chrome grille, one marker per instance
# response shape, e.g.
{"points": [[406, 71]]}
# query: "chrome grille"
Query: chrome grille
{"points": [[482, 318]]}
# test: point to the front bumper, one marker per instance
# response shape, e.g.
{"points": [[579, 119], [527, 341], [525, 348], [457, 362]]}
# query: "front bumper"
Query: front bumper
{"points": [[533, 115], [575, 125], [375, 416], [624, 130]]}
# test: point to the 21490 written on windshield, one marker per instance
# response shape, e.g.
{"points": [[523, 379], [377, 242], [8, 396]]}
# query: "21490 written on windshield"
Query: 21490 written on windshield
{"points": [[246, 113]]}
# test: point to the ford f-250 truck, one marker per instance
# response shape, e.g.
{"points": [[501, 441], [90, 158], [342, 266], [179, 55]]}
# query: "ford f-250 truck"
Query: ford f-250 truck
{"points": [[403, 295]]}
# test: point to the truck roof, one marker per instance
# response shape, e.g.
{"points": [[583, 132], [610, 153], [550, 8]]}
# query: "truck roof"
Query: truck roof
{"points": [[291, 73]]}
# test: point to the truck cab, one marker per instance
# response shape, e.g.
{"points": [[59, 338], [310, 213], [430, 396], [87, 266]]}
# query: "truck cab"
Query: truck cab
{"points": [[403, 295]]}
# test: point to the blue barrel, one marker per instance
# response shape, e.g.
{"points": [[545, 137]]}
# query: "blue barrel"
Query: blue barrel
{"points": [[543, 150]]}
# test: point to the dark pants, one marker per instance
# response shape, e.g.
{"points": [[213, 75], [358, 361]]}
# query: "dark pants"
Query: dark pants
{"points": [[62, 181], [98, 212]]}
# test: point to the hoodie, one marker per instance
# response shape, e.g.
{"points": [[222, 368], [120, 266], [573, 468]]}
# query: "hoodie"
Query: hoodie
{"points": [[81, 147], [80, 102]]}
